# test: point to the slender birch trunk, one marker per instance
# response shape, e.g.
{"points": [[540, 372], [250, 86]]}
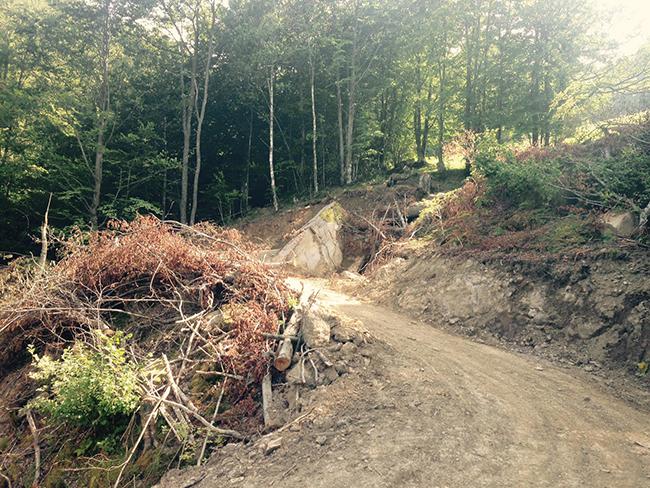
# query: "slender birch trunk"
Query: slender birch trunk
{"points": [[271, 124], [314, 127]]}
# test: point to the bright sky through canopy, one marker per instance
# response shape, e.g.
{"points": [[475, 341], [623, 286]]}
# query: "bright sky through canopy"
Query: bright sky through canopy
{"points": [[627, 22]]}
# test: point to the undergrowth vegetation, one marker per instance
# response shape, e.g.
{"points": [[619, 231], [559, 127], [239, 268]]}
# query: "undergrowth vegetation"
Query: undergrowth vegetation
{"points": [[88, 386], [543, 200]]}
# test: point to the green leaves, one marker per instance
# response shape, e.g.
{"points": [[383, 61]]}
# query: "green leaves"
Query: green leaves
{"points": [[89, 385]]}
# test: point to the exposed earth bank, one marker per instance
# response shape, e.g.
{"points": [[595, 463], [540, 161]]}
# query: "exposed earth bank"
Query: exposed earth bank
{"points": [[593, 312]]}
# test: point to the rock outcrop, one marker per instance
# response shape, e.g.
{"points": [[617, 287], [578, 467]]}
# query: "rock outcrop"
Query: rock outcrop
{"points": [[316, 249]]}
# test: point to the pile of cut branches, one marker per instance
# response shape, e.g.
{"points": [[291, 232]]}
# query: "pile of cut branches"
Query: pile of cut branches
{"points": [[196, 309]]}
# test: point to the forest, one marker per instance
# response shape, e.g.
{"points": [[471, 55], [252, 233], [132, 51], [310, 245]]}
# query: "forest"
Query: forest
{"points": [[197, 110]]}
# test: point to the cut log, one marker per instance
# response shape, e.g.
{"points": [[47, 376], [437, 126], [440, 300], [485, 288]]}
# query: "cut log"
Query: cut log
{"points": [[285, 350]]}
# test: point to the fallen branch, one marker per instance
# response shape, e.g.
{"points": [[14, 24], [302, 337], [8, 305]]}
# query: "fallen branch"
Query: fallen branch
{"points": [[214, 416], [37, 449], [225, 432], [267, 397], [151, 416], [221, 373]]}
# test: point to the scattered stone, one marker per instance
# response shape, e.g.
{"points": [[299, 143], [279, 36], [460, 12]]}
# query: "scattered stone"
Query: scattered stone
{"points": [[352, 276], [341, 334], [341, 367], [321, 440], [237, 472], [315, 329], [424, 183], [330, 374], [334, 347], [413, 211], [587, 330], [301, 374], [273, 445], [349, 349]]}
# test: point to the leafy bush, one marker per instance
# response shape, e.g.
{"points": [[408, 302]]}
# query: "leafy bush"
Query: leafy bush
{"points": [[625, 176], [548, 177], [527, 183], [88, 386]]}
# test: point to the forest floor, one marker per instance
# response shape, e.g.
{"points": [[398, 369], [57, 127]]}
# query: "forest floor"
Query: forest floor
{"points": [[433, 409]]}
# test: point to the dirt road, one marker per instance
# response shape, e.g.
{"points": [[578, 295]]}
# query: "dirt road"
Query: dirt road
{"points": [[446, 412]]}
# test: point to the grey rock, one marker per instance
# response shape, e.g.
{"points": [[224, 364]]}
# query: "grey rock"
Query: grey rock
{"points": [[315, 329], [273, 445], [622, 224], [316, 249]]}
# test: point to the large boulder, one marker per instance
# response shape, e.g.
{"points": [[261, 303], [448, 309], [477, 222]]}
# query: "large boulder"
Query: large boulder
{"points": [[316, 249], [623, 224]]}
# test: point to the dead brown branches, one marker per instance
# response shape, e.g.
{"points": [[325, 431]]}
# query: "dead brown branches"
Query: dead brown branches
{"points": [[198, 308]]}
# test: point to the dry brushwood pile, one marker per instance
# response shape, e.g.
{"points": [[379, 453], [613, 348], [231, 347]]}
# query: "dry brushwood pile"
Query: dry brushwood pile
{"points": [[188, 309]]}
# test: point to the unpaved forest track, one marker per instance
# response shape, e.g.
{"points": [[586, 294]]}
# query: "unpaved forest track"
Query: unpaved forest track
{"points": [[448, 412]]}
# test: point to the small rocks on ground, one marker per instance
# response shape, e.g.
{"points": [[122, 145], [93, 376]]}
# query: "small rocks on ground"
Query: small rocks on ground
{"points": [[273, 445]]}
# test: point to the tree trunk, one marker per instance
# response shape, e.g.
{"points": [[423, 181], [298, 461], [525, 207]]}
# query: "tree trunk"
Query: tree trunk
{"points": [[98, 173], [535, 94], [314, 127], [417, 129], [349, 134], [103, 107], [186, 116], [467, 118], [163, 203], [200, 114], [442, 72], [246, 182], [352, 88], [271, 82], [427, 123], [339, 104]]}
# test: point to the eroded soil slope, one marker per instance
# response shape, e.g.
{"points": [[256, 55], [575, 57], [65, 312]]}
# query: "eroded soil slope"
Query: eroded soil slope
{"points": [[593, 312]]}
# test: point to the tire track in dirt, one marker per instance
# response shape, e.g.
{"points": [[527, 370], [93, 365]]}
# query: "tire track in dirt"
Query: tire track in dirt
{"points": [[547, 427]]}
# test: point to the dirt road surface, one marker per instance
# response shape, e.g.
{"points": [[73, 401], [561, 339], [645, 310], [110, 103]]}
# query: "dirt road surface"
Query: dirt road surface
{"points": [[442, 411]]}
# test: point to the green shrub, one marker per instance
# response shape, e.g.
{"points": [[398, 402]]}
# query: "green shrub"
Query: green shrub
{"points": [[626, 175], [88, 386], [527, 183]]}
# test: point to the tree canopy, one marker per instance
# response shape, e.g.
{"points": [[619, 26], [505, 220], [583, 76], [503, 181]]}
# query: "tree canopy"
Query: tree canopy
{"points": [[200, 109]]}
